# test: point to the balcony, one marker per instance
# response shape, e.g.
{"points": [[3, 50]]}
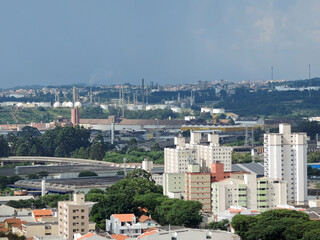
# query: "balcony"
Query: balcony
{"points": [[262, 192], [264, 185], [262, 198], [262, 204]]}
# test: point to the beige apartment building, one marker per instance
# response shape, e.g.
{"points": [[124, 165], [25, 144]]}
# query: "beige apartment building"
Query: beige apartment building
{"points": [[198, 187], [38, 229], [174, 185], [73, 217]]}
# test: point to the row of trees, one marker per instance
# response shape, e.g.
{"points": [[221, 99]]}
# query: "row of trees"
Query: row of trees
{"points": [[50, 200], [137, 190], [277, 225], [59, 142]]}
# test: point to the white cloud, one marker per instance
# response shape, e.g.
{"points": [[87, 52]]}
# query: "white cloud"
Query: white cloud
{"points": [[266, 27], [316, 35]]}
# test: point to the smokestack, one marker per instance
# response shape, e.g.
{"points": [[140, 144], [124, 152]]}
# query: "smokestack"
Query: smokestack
{"points": [[43, 187], [75, 116], [142, 91], [75, 94]]}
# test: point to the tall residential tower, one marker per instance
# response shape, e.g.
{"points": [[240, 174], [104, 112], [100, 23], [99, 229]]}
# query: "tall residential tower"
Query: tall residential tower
{"points": [[285, 158]]}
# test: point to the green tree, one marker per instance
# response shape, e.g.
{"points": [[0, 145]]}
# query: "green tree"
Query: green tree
{"points": [[52, 200], [313, 234], [4, 181], [81, 153], [32, 176], [140, 173], [97, 151], [43, 174], [87, 174], [27, 130], [23, 150], [155, 147], [272, 224], [179, 212], [222, 225], [4, 147]]}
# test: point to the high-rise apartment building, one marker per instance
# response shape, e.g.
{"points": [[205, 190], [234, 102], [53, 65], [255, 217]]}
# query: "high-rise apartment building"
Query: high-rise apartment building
{"points": [[285, 158], [198, 187], [213, 153], [176, 160], [73, 217]]}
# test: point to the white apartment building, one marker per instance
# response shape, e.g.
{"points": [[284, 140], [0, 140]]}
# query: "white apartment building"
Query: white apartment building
{"points": [[212, 153], [285, 158], [176, 160], [73, 217], [251, 193]]}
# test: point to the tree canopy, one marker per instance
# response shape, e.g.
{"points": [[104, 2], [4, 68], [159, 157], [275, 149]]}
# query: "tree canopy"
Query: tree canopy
{"points": [[275, 225]]}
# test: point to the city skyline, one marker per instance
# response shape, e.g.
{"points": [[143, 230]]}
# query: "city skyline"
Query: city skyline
{"points": [[105, 42]]}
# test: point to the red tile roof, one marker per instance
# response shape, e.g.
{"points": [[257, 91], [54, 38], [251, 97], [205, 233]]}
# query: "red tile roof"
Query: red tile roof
{"points": [[148, 233], [40, 213], [144, 218], [124, 217], [119, 236], [86, 236]]}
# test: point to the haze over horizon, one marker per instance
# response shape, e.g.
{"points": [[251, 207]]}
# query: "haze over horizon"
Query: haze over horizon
{"points": [[183, 41]]}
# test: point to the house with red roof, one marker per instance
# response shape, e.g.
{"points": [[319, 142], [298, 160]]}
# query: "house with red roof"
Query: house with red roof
{"points": [[128, 225], [41, 214]]}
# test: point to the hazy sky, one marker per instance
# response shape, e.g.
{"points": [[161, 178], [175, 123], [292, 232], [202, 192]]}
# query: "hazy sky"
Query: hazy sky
{"points": [[166, 41]]}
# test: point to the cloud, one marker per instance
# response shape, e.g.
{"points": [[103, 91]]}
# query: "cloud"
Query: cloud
{"points": [[266, 27], [316, 35]]}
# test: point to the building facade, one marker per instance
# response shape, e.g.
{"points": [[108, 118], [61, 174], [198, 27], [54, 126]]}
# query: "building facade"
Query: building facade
{"points": [[73, 217], [177, 159], [250, 192], [198, 187], [285, 158]]}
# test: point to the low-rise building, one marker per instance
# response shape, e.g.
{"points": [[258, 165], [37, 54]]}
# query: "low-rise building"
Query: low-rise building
{"points": [[258, 194], [125, 224], [38, 229]]}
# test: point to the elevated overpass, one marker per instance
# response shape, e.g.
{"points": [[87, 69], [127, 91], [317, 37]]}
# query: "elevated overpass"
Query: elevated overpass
{"points": [[60, 160]]}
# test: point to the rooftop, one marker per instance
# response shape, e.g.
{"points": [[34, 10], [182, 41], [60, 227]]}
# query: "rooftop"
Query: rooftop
{"points": [[125, 217]]}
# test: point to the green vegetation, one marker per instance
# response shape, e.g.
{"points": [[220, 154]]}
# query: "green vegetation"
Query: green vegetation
{"points": [[313, 171], [50, 200], [137, 191], [11, 236], [59, 142], [135, 156], [38, 175], [87, 174], [4, 181], [313, 157], [238, 157], [276, 224], [272, 104], [222, 225]]}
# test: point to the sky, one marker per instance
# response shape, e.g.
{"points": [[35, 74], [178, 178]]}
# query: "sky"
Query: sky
{"points": [[107, 42]]}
